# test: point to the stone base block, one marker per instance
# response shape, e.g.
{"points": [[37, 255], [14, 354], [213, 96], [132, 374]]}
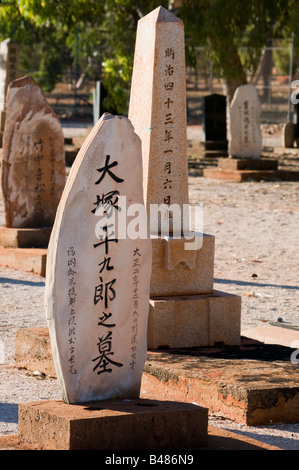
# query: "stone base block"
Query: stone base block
{"points": [[194, 320], [25, 259], [247, 163], [177, 270], [269, 334], [24, 237], [218, 439], [240, 176], [33, 350], [113, 425], [251, 384]]}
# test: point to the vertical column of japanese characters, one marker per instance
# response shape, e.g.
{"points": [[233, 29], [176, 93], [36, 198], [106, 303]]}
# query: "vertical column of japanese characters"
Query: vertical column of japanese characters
{"points": [[134, 343], [71, 319], [39, 187], [52, 160], [105, 292], [168, 143]]}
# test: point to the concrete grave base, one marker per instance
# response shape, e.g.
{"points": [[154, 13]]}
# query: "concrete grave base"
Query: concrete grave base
{"points": [[24, 259], [252, 384], [194, 320], [245, 169], [24, 237], [136, 424]]}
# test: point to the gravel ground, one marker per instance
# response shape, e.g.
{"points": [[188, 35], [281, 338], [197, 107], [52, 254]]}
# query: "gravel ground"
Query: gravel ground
{"points": [[256, 226]]}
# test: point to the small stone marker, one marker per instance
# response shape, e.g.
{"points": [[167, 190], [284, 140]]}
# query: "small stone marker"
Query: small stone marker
{"points": [[97, 284], [245, 139], [33, 164], [288, 135]]}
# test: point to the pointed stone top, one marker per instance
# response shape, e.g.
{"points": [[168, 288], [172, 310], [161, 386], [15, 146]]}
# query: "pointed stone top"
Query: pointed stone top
{"points": [[161, 15], [23, 81]]}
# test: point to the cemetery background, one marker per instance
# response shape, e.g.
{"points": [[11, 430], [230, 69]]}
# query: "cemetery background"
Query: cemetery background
{"points": [[256, 261], [255, 225]]}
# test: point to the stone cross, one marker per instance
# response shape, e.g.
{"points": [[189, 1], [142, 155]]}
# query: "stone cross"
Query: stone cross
{"points": [[245, 139], [158, 109], [33, 164], [97, 284]]}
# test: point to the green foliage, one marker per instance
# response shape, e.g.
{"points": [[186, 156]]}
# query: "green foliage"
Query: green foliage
{"points": [[99, 36], [226, 27]]}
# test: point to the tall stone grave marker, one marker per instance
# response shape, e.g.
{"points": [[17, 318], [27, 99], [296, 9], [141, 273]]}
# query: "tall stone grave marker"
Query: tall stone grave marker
{"points": [[214, 117], [9, 71], [33, 164], [161, 109], [183, 305], [245, 139], [245, 143], [214, 125], [97, 284]]}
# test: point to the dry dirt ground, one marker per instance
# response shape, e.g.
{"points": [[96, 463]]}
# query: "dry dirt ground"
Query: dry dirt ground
{"points": [[256, 226]]}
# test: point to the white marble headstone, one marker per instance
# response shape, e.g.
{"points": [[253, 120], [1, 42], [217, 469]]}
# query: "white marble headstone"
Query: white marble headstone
{"points": [[97, 284], [245, 140]]}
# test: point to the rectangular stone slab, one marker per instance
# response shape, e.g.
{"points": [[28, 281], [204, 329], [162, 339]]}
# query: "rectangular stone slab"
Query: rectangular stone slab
{"points": [[251, 384], [113, 425], [248, 164], [194, 320], [248, 175], [24, 238], [31, 260]]}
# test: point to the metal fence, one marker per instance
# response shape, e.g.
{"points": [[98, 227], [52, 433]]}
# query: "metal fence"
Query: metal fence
{"points": [[273, 79]]}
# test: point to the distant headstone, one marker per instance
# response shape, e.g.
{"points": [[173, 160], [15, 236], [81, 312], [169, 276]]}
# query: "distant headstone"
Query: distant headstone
{"points": [[97, 285], [245, 139], [33, 164], [288, 135], [214, 117]]}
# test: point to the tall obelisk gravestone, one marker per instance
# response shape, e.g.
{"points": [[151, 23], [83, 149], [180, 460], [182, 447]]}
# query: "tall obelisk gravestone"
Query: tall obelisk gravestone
{"points": [[185, 311]]}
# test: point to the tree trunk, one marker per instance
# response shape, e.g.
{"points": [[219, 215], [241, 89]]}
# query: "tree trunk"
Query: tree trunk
{"points": [[233, 72]]}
